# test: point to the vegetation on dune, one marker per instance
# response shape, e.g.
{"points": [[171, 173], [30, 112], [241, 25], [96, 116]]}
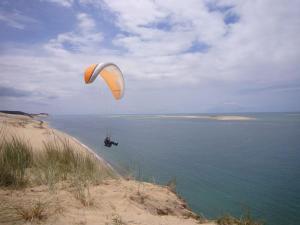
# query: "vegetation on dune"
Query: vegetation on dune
{"points": [[31, 211], [171, 184], [60, 162], [36, 211], [57, 161], [15, 157], [117, 220], [245, 219]]}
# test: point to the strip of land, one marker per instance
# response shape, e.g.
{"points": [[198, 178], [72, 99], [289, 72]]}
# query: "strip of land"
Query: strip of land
{"points": [[219, 117], [205, 117]]}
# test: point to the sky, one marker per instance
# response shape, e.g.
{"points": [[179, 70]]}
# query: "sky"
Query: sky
{"points": [[191, 56]]}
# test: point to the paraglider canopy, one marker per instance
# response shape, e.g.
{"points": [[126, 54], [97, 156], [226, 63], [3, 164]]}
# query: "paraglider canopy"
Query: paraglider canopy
{"points": [[112, 75]]}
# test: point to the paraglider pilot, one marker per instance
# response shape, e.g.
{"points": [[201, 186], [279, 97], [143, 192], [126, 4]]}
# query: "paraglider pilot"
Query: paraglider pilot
{"points": [[114, 79], [108, 143]]}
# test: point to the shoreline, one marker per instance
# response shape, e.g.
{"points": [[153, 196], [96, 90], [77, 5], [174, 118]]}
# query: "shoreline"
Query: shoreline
{"points": [[91, 151], [88, 149], [38, 132]]}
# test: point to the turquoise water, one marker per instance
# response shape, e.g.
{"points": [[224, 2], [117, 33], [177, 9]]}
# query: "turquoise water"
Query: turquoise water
{"points": [[220, 166]]}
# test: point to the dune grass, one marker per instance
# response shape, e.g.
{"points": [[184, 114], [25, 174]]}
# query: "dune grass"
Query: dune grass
{"points": [[60, 162], [57, 161], [15, 157]]}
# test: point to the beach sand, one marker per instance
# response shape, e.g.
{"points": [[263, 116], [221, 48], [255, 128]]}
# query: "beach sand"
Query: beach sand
{"points": [[114, 201]]}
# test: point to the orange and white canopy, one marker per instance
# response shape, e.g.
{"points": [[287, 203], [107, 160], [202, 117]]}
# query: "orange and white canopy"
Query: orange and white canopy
{"points": [[112, 75]]}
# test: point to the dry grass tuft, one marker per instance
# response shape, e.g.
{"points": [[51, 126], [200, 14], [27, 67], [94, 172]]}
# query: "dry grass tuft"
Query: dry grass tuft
{"points": [[117, 220], [33, 211], [36, 211]]}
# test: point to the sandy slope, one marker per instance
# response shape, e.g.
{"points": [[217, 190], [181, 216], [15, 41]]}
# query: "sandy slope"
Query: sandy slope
{"points": [[130, 202], [35, 131], [115, 201]]}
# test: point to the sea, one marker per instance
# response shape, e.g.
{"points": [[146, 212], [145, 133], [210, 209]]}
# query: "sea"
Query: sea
{"points": [[220, 167]]}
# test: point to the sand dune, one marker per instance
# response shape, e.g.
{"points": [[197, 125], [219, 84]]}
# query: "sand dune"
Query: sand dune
{"points": [[114, 201]]}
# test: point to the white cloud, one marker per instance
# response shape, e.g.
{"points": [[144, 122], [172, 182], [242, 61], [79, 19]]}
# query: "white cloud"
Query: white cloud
{"points": [[16, 19], [261, 46], [84, 39], [86, 23], [158, 42], [65, 3]]}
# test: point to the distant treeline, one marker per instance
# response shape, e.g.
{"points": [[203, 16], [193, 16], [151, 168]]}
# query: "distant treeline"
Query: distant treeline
{"points": [[23, 113]]}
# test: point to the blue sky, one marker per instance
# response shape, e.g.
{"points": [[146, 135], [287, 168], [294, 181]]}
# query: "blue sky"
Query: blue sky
{"points": [[177, 56]]}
